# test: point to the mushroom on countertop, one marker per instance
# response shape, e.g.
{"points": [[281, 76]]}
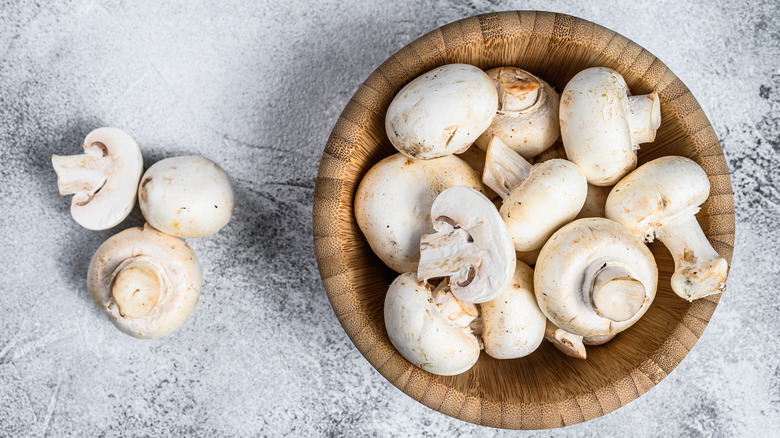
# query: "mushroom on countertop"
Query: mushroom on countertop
{"points": [[104, 179]]}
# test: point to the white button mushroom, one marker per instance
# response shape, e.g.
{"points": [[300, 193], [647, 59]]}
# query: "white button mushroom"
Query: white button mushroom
{"points": [[567, 343], [471, 246], [660, 199], [104, 179], [595, 202], [594, 277], [512, 324], [527, 116], [597, 340], [393, 204], [602, 126], [441, 112], [430, 328], [187, 196], [146, 281]]}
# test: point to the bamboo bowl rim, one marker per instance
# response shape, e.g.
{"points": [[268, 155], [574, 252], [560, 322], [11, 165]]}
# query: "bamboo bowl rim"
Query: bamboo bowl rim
{"points": [[355, 280]]}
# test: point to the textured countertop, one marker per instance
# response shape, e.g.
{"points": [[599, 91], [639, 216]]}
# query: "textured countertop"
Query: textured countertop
{"points": [[257, 88]]}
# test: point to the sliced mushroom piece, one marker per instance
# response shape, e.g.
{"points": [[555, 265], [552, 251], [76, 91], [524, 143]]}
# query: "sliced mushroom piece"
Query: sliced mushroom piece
{"points": [[393, 204], [147, 282], [471, 246], [430, 328], [602, 126], [527, 115], [504, 168], [103, 180], [441, 112], [567, 343], [512, 324], [660, 199], [595, 278]]}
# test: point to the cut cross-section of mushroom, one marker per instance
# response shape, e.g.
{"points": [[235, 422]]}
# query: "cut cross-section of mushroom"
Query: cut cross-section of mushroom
{"points": [[471, 246], [430, 328], [660, 199], [146, 281], [504, 168], [103, 180], [595, 278], [567, 343]]}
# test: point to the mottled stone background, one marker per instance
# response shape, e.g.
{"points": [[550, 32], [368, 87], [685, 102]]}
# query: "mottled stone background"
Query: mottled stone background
{"points": [[257, 87]]}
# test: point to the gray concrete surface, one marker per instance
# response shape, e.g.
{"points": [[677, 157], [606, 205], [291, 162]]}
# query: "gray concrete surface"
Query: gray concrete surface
{"points": [[257, 88]]}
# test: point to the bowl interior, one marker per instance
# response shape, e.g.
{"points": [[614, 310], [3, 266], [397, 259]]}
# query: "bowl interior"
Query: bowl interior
{"points": [[545, 389]]}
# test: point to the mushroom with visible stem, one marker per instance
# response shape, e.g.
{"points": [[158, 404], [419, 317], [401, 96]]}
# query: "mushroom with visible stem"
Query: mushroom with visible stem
{"points": [[393, 204], [103, 180], [595, 278], [567, 343], [146, 281], [471, 246], [660, 199], [441, 112], [430, 327], [602, 126]]}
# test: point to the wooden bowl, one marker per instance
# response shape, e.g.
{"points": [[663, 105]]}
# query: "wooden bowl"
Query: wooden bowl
{"points": [[545, 389]]}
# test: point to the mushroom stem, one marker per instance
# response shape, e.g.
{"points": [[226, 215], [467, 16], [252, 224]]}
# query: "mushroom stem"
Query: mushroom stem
{"points": [[504, 169], [699, 270], [644, 118], [517, 89], [448, 254], [138, 284], [81, 173], [459, 312], [615, 294], [568, 343]]}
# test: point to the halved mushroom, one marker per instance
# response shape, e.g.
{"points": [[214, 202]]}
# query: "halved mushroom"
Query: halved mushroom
{"points": [[471, 246], [602, 126], [146, 281], [595, 278], [103, 180], [430, 328], [393, 204], [512, 324], [527, 116], [441, 112], [660, 199], [567, 343], [188, 196]]}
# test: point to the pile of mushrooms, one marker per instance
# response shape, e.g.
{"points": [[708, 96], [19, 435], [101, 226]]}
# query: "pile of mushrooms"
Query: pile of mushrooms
{"points": [[482, 189], [146, 279]]}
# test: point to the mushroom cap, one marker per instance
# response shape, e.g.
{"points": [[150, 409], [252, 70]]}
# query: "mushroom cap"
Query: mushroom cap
{"points": [[393, 204], [512, 324], [171, 256], [114, 200], [658, 193], [566, 266], [551, 196], [594, 113], [422, 334], [188, 196], [527, 115], [441, 112]]}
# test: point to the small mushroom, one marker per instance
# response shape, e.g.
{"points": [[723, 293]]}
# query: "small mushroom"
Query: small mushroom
{"points": [[660, 199], [527, 115], [471, 246], [146, 281], [595, 202], [393, 204], [595, 278], [187, 196], [602, 126], [103, 180], [430, 328], [512, 324], [441, 112], [567, 343]]}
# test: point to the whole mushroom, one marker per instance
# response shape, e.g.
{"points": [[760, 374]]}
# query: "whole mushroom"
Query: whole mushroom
{"points": [[602, 126], [147, 282], [660, 199], [103, 180]]}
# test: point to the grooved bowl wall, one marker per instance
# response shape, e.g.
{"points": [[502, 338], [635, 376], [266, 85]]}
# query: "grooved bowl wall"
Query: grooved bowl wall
{"points": [[545, 389]]}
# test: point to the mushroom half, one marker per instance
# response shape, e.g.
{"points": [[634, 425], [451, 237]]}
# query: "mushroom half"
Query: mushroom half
{"points": [[103, 180], [146, 281]]}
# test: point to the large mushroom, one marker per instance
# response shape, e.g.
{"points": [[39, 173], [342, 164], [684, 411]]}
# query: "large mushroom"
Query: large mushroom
{"points": [[602, 126], [146, 281], [393, 204], [595, 278], [441, 112], [103, 180], [660, 199]]}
